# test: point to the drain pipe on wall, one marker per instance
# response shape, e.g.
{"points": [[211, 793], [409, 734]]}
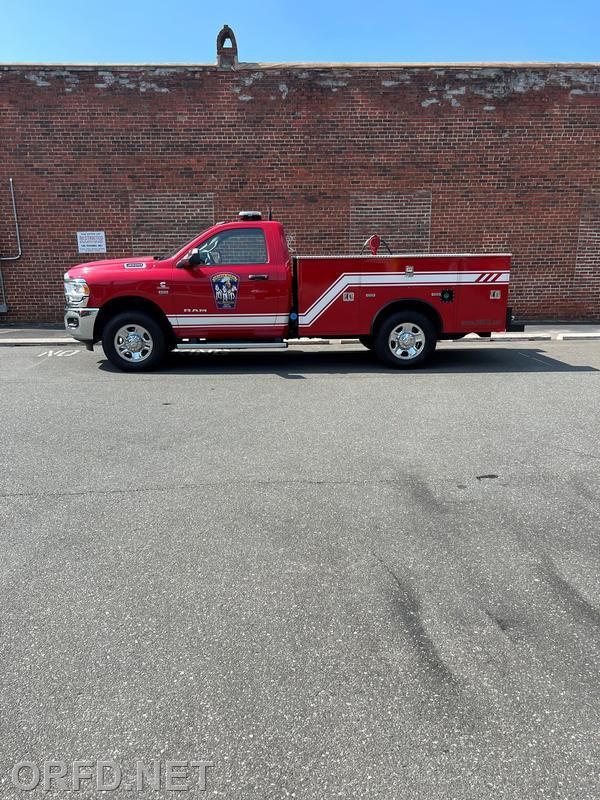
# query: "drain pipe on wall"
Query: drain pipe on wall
{"points": [[14, 208], [3, 303]]}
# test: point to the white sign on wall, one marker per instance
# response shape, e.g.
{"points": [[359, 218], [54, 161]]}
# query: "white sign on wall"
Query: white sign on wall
{"points": [[91, 241]]}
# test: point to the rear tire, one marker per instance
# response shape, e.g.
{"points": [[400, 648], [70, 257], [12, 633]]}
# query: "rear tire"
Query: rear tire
{"points": [[134, 341], [405, 340]]}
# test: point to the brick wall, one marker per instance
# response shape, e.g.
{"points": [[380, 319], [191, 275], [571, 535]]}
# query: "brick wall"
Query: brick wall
{"points": [[438, 158], [403, 220], [162, 221]]}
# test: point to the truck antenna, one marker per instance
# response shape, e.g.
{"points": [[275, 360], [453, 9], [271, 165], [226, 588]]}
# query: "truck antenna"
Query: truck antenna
{"points": [[270, 214]]}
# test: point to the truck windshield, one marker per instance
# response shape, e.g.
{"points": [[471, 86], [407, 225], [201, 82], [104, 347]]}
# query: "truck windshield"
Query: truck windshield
{"points": [[173, 253]]}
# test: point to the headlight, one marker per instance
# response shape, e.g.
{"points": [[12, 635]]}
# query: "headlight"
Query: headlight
{"points": [[76, 291]]}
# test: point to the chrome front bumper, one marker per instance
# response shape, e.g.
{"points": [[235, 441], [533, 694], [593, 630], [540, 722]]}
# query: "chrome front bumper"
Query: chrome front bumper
{"points": [[79, 322]]}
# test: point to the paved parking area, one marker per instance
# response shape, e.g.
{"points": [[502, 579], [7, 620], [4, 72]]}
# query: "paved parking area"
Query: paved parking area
{"points": [[329, 579]]}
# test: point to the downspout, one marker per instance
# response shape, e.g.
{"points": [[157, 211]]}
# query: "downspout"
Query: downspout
{"points": [[14, 208], [3, 303]]}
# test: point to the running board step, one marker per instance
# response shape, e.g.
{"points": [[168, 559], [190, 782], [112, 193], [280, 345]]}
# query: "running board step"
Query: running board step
{"points": [[231, 346]]}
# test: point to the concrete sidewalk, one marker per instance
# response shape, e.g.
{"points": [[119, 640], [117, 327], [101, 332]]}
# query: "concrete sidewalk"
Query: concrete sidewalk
{"points": [[555, 331], [34, 336], [56, 336]]}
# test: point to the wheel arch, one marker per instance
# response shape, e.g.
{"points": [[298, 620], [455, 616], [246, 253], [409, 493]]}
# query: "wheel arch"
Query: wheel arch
{"points": [[405, 304], [127, 303]]}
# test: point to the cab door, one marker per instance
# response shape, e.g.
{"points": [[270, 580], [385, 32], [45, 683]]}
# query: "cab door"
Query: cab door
{"points": [[238, 291]]}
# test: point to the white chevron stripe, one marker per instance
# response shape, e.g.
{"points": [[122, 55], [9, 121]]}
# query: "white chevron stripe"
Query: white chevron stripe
{"points": [[322, 303], [392, 279]]}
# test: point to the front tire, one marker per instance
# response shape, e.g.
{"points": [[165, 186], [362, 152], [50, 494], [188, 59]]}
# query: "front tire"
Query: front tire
{"points": [[405, 340], [134, 341]]}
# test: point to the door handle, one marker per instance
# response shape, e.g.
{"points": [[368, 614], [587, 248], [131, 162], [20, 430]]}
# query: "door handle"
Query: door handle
{"points": [[258, 277]]}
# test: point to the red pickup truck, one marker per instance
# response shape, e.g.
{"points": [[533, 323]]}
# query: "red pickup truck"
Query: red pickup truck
{"points": [[237, 286]]}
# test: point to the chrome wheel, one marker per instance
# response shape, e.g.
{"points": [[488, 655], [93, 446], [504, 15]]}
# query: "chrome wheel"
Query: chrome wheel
{"points": [[133, 343], [406, 341]]}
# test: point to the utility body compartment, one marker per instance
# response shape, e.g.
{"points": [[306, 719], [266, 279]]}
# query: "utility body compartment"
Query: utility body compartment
{"points": [[344, 295]]}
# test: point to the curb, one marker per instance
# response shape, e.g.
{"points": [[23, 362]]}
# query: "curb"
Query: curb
{"points": [[565, 337], [521, 337], [502, 337], [507, 337], [76, 343], [40, 342]]}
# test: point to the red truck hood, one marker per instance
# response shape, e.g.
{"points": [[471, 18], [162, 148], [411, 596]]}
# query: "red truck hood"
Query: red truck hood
{"points": [[111, 265]]}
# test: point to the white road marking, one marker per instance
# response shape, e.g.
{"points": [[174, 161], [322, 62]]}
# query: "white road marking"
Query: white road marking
{"points": [[57, 353]]}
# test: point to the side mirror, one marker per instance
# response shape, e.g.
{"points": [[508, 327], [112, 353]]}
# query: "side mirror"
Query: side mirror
{"points": [[195, 260]]}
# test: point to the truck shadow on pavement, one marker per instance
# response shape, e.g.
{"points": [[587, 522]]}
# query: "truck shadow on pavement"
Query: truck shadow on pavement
{"points": [[296, 363]]}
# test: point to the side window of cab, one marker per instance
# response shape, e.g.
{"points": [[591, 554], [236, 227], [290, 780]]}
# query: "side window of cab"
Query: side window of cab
{"points": [[235, 246]]}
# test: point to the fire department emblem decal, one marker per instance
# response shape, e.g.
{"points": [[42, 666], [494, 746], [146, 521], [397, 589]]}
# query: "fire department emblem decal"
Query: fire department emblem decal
{"points": [[225, 289]]}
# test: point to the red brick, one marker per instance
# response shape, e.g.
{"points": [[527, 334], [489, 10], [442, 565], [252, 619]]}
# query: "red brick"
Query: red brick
{"points": [[443, 158]]}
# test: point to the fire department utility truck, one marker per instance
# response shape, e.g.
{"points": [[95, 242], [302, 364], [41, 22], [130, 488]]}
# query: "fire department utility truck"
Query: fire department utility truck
{"points": [[237, 286]]}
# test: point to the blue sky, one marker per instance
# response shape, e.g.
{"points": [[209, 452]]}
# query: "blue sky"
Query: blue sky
{"points": [[304, 30]]}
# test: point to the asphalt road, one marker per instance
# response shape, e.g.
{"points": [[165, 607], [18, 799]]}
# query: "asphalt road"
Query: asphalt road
{"points": [[328, 579]]}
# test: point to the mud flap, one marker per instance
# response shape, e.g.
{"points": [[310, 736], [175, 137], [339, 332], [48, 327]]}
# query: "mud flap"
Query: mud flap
{"points": [[510, 326]]}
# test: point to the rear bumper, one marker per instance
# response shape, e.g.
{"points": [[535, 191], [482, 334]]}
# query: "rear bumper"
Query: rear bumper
{"points": [[79, 322], [510, 326]]}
